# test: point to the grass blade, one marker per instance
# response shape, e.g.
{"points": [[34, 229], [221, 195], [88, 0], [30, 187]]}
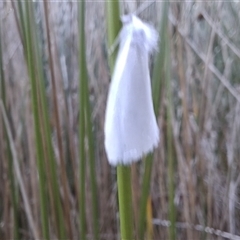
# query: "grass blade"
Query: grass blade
{"points": [[58, 130], [82, 132], [158, 76], [13, 187], [45, 154], [170, 158], [18, 173], [39, 146]]}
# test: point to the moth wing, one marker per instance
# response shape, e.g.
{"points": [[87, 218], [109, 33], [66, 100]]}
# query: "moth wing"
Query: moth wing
{"points": [[113, 144], [138, 125]]}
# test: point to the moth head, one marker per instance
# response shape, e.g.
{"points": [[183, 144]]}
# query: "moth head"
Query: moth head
{"points": [[143, 34]]}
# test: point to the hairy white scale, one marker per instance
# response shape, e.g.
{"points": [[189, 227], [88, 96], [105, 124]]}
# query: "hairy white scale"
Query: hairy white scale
{"points": [[131, 129]]}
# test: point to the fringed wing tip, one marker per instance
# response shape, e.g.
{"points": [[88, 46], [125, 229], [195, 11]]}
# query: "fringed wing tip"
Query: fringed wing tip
{"points": [[132, 156]]}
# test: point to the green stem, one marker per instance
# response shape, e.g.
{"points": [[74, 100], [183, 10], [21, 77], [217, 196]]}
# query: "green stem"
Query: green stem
{"points": [[113, 27], [85, 112], [82, 100], [123, 172], [125, 202]]}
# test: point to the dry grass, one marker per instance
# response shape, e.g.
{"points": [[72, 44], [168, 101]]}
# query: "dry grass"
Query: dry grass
{"points": [[205, 57]]}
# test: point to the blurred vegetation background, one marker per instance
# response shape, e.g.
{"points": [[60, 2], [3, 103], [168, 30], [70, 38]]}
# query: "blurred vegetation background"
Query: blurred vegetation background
{"points": [[56, 182]]}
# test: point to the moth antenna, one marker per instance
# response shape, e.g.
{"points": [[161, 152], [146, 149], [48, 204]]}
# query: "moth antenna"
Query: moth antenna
{"points": [[143, 6], [114, 45]]}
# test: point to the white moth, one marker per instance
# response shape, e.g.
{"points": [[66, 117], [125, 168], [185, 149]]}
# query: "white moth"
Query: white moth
{"points": [[131, 129]]}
